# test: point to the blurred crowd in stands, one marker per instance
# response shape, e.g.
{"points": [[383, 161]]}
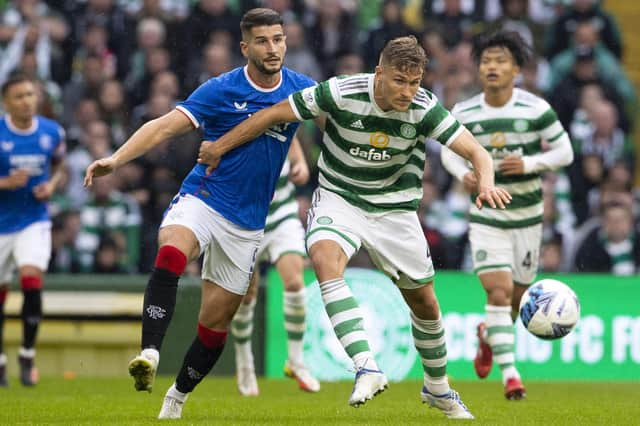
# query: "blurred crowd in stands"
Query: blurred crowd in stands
{"points": [[105, 67]]}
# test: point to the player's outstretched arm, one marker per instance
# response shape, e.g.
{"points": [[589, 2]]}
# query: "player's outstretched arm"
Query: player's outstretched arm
{"points": [[172, 124], [467, 147], [211, 152]]}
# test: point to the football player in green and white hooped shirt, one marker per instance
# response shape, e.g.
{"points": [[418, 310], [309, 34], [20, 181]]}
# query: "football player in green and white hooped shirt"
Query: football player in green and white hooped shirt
{"points": [[371, 169], [283, 246], [511, 124]]}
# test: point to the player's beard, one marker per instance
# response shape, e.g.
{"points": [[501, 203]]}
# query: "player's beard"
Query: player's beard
{"points": [[260, 66]]}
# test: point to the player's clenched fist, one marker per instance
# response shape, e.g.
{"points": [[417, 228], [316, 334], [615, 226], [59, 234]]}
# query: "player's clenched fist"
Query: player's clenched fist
{"points": [[98, 168], [208, 156]]}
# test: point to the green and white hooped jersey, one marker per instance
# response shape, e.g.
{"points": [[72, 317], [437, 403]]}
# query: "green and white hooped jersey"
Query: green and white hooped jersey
{"points": [[515, 128], [283, 205], [372, 158]]}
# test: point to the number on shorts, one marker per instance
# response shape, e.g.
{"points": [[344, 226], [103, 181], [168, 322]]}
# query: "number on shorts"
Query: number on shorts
{"points": [[527, 260]]}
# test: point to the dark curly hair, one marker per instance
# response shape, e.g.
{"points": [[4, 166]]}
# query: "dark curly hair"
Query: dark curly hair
{"points": [[510, 40]]}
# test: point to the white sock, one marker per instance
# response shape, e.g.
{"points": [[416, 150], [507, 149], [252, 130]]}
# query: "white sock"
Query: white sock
{"points": [[294, 314], [151, 353], [173, 392]]}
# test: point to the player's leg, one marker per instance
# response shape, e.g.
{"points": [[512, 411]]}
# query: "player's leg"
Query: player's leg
{"points": [[290, 267], [500, 331], [181, 235], [32, 251], [429, 337], [399, 249], [217, 309], [6, 275], [493, 259], [242, 331], [31, 285], [226, 272], [332, 238]]}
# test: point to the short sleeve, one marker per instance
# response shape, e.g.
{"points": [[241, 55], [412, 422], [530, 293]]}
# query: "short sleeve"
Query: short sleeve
{"points": [[440, 124], [202, 103], [311, 102]]}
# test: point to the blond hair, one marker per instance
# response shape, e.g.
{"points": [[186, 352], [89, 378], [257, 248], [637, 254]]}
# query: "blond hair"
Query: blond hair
{"points": [[404, 53]]}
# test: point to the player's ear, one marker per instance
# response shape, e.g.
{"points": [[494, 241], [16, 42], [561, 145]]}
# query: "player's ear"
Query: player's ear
{"points": [[244, 47]]}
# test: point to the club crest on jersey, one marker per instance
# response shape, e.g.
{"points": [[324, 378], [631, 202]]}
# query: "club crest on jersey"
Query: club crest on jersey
{"points": [[45, 142], [379, 140], [498, 140], [240, 106], [6, 145], [521, 125], [408, 131]]}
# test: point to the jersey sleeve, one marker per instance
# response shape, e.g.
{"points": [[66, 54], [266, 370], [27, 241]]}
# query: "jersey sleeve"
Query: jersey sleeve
{"points": [[549, 127], [440, 124], [203, 102], [311, 102]]}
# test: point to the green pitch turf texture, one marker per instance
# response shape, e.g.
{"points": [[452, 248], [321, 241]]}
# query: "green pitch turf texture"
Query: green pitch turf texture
{"points": [[216, 401]]}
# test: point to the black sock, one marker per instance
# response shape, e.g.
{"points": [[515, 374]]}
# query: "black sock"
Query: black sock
{"points": [[198, 362], [159, 303], [31, 316]]}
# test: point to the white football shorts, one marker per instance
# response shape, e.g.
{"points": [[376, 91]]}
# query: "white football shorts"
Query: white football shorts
{"points": [[516, 250], [395, 241], [229, 250], [287, 237], [29, 246]]}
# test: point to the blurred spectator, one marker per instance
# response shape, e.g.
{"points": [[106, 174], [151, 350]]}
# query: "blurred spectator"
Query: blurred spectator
{"points": [[452, 23], [32, 25], [107, 257], [95, 142], [109, 212], [216, 59], [106, 14], [299, 57], [332, 31], [84, 86], [515, 17], [207, 17], [551, 255], [613, 246], [561, 32], [350, 63], [64, 231], [390, 26], [150, 34], [114, 110], [165, 10], [587, 43], [606, 140]]}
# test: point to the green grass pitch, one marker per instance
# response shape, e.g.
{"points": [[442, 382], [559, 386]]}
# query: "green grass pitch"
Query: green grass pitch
{"points": [[216, 401]]}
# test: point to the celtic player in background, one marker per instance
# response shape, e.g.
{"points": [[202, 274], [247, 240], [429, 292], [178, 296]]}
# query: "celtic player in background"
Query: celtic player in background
{"points": [[371, 169], [283, 246], [511, 124]]}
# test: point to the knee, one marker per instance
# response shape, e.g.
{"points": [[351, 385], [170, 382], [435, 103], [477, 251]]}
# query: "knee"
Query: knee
{"points": [[171, 259], [327, 263], [499, 296]]}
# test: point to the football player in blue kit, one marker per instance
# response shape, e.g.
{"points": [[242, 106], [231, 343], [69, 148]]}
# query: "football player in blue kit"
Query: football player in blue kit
{"points": [[221, 213], [31, 153]]}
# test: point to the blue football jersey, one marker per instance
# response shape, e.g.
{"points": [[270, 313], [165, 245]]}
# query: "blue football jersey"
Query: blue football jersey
{"points": [[30, 150], [242, 186]]}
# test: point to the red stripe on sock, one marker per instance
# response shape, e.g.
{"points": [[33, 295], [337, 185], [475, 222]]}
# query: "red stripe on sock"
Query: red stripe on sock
{"points": [[3, 295], [211, 338], [171, 259], [31, 283]]}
